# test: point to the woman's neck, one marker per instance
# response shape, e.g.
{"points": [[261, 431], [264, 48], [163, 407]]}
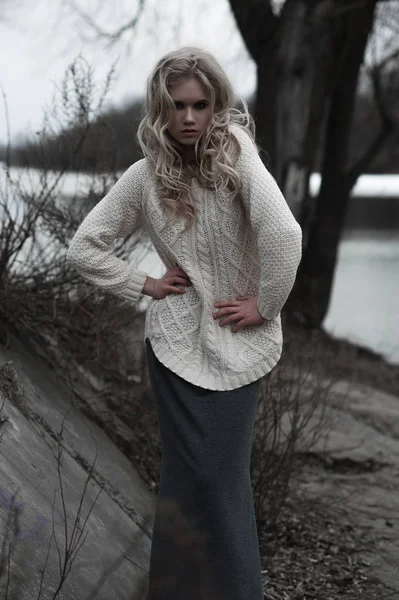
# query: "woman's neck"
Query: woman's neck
{"points": [[189, 158], [190, 164]]}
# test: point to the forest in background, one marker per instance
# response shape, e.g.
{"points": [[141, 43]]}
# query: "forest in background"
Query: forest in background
{"points": [[116, 128]]}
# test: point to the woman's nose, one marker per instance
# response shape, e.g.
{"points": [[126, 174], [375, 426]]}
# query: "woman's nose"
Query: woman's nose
{"points": [[188, 117]]}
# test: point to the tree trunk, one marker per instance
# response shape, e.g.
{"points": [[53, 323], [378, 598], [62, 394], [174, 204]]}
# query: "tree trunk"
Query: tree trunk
{"points": [[260, 30], [265, 111], [313, 287], [304, 66], [294, 59], [308, 63]]}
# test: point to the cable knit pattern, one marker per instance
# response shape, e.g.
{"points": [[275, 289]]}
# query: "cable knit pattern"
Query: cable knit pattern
{"points": [[249, 246]]}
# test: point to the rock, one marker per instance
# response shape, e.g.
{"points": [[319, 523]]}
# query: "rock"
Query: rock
{"points": [[40, 423], [358, 470]]}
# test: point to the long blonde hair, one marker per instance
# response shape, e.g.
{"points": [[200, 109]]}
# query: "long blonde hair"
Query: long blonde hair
{"points": [[216, 149]]}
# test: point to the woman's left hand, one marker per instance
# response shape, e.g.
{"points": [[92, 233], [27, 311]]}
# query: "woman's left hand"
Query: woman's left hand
{"points": [[243, 310]]}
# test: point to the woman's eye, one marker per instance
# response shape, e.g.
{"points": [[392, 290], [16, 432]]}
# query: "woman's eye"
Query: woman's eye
{"points": [[200, 105]]}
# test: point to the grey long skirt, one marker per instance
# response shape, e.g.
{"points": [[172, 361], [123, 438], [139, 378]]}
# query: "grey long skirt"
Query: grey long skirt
{"points": [[205, 540]]}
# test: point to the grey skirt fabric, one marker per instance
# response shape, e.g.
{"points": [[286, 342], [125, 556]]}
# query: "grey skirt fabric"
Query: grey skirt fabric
{"points": [[205, 541]]}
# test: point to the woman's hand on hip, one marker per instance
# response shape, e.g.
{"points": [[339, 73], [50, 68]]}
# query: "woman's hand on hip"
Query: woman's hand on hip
{"points": [[242, 310], [167, 284]]}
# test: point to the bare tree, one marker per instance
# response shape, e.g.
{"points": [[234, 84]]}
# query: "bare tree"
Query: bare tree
{"points": [[325, 220], [308, 59]]}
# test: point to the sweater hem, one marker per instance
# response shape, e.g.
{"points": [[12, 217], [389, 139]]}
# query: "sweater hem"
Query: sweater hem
{"points": [[211, 381]]}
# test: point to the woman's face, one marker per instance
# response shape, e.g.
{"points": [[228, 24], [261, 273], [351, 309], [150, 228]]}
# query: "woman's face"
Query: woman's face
{"points": [[192, 111]]}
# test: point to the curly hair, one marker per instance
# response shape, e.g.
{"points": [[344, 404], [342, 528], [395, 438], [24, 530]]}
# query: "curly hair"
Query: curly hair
{"points": [[216, 149]]}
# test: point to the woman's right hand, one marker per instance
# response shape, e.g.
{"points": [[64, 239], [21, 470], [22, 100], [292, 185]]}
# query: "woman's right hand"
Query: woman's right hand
{"points": [[167, 284]]}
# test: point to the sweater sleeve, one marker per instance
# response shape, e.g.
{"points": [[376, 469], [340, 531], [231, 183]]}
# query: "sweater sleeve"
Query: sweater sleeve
{"points": [[90, 250], [277, 233]]}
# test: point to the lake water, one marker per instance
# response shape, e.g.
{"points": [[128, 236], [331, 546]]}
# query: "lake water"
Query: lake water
{"points": [[364, 305]]}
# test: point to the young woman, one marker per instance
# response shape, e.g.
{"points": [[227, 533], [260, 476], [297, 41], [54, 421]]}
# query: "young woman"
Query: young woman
{"points": [[231, 248]]}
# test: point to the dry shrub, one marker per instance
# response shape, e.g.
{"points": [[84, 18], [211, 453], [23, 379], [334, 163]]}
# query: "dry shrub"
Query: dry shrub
{"points": [[36, 221], [43, 299], [83, 333], [292, 417]]}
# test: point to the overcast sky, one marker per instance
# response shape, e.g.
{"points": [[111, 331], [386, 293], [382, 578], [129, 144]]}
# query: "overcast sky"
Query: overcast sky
{"points": [[38, 40]]}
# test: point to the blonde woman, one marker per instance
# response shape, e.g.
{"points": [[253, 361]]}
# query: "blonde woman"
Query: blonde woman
{"points": [[231, 248]]}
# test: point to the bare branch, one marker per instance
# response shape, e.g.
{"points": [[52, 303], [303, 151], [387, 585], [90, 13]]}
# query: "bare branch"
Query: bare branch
{"points": [[355, 5], [387, 59], [111, 36], [7, 119], [365, 160], [256, 22], [351, 6], [388, 123]]}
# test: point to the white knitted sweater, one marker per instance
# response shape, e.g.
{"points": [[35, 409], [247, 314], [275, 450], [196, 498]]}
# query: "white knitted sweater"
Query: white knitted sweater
{"points": [[249, 247]]}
